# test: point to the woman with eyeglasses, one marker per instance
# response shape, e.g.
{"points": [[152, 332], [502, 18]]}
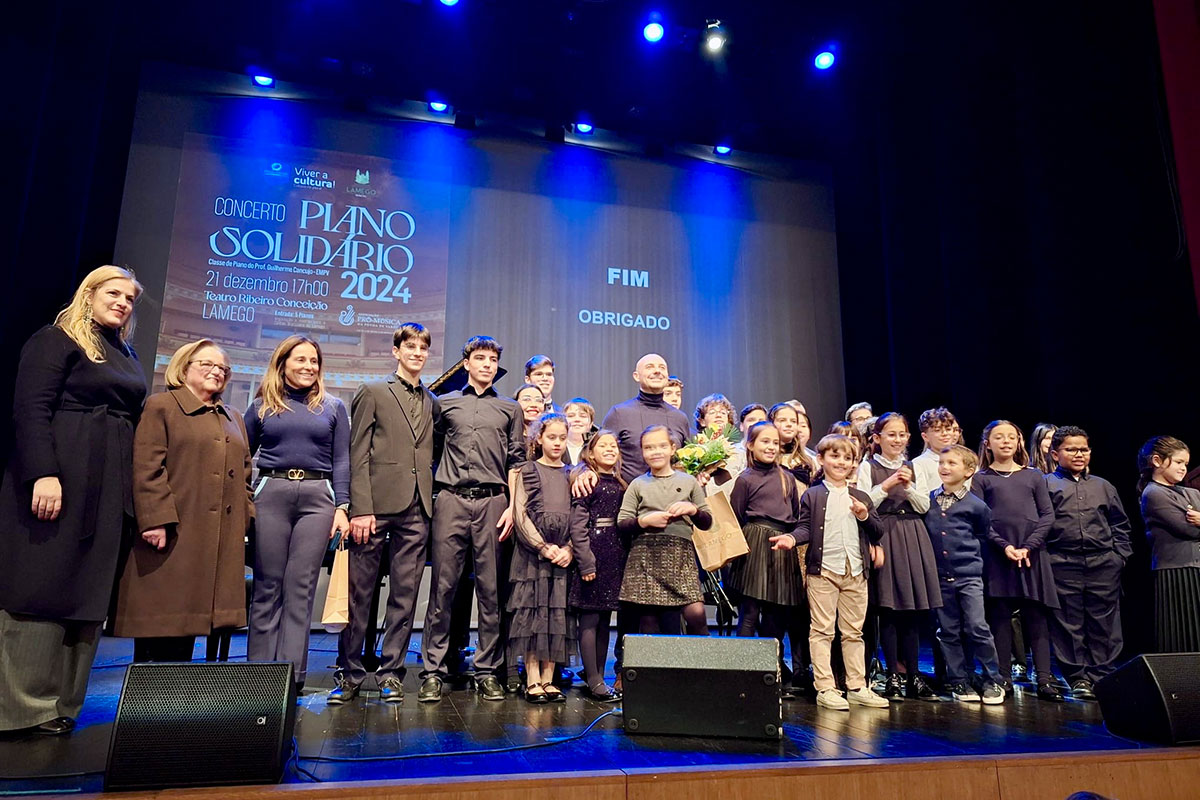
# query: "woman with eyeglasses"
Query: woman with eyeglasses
{"points": [[65, 502], [184, 575], [302, 437]]}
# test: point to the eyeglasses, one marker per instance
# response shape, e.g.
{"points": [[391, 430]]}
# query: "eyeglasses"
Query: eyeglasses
{"points": [[209, 366], [1077, 451]]}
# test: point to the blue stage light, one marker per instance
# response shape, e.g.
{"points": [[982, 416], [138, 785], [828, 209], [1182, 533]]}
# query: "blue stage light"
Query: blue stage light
{"points": [[722, 149], [438, 107], [653, 31], [449, 2], [824, 60], [583, 127], [264, 81]]}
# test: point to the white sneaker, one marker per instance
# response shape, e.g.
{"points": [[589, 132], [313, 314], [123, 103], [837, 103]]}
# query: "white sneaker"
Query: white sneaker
{"points": [[832, 698], [993, 695], [963, 692], [865, 697]]}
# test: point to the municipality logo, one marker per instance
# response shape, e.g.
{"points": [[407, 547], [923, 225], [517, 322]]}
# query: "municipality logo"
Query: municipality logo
{"points": [[274, 170], [347, 316], [362, 184]]}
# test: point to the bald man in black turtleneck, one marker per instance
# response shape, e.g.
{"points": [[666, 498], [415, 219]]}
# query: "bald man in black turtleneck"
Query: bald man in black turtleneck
{"points": [[630, 418]]}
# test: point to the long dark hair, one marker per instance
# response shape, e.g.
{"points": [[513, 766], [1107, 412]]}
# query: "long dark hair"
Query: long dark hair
{"points": [[1036, 457], [587, 457], [1020, 458]]}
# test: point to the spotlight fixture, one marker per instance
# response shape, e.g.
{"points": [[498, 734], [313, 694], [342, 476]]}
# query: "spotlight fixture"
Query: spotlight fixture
{"points": [[263, 81], [722, 149], [653, 31], [449, 2], [715, 36], [584, 128], [824, 60], [438, 107]]}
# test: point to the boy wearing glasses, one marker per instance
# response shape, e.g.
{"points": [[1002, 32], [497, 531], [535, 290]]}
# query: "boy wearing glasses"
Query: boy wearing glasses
{"points": [[1088, 546], [939, 430]]}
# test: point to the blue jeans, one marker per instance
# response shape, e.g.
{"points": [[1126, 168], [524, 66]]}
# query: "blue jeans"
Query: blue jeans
{"points": [[961, 621]]}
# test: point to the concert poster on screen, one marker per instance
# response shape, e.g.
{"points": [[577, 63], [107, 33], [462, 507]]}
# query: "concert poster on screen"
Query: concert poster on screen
{"points": [[270, 241]]}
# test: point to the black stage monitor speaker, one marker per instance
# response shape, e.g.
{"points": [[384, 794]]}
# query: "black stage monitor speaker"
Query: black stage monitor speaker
{"points": [[202, 724], [1153, 698], [700, 686]]}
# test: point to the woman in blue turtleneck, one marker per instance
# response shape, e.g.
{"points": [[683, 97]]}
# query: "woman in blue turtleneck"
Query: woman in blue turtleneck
{"points": [[302, 437]]}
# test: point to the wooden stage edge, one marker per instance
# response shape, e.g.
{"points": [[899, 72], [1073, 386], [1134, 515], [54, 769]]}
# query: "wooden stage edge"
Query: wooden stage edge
{"points": [[1149, 774]]}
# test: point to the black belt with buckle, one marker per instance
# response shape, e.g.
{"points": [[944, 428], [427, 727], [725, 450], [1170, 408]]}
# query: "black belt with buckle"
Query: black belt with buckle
{"points": [[474, 492], [296, 474]]}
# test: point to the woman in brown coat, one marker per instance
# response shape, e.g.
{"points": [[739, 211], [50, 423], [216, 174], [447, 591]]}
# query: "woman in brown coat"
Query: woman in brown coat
{"points": [[191, 475]]}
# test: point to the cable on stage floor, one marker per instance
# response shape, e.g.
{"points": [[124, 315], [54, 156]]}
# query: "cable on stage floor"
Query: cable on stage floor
{"points": [[297, 758]]}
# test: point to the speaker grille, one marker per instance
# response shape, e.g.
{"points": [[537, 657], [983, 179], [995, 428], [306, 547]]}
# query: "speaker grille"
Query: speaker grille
{"points": [[201, 724], [1175, 674]]}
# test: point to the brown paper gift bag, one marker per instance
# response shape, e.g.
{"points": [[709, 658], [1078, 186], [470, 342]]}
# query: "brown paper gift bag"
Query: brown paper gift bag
{"points": [[724, 541], [337, 602]]}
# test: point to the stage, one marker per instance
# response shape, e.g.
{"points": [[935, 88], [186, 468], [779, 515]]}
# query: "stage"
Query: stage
{"points": [[1022, 749]]}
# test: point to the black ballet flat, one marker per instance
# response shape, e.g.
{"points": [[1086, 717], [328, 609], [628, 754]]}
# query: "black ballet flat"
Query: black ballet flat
{"points": [[55, 727], [607, 696], [1050, 693], [553, 694], [538, 699]]}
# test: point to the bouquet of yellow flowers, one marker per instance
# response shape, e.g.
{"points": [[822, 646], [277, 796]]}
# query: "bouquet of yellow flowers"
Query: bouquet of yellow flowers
{"points": [[706, 452]]}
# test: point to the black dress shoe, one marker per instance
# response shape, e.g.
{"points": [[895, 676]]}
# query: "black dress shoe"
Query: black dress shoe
{"points": [[894, 687], [391, 690], [1083, 690], [1050, 693], [489, 688], [538, 698], [55, 727], [918, 689], [343, 693], [430, 691]]}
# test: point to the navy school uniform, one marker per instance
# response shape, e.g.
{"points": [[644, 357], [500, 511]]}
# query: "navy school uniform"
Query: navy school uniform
{"points": [[958, 526]]}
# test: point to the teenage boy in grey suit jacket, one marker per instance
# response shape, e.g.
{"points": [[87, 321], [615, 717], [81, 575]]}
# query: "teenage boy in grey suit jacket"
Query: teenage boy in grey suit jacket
{"points": [[391, 502]]}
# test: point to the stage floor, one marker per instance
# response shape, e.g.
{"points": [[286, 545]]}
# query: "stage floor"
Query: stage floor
{"points": [[447, 738]]}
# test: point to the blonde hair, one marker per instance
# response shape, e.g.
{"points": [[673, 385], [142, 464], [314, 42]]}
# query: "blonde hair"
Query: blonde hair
{"points": [[76, 319], [177, 367], [272, 390]]}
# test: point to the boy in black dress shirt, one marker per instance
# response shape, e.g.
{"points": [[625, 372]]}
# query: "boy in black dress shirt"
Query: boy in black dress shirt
{"points": [[1088, 546], [480, 437]]}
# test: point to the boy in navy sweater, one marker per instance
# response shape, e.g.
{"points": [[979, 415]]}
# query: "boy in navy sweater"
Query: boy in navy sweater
{"points": [[958, 522]]}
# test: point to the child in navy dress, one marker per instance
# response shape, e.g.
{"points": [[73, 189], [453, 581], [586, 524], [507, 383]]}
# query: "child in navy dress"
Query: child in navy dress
{"points": [[766, 501], [907, 585], [600, 557], [542, 631], [1018, 575]]}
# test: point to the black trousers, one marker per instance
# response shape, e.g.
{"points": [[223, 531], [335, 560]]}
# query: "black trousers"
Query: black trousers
{"points": [[403, 536], [1087, 632]]}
